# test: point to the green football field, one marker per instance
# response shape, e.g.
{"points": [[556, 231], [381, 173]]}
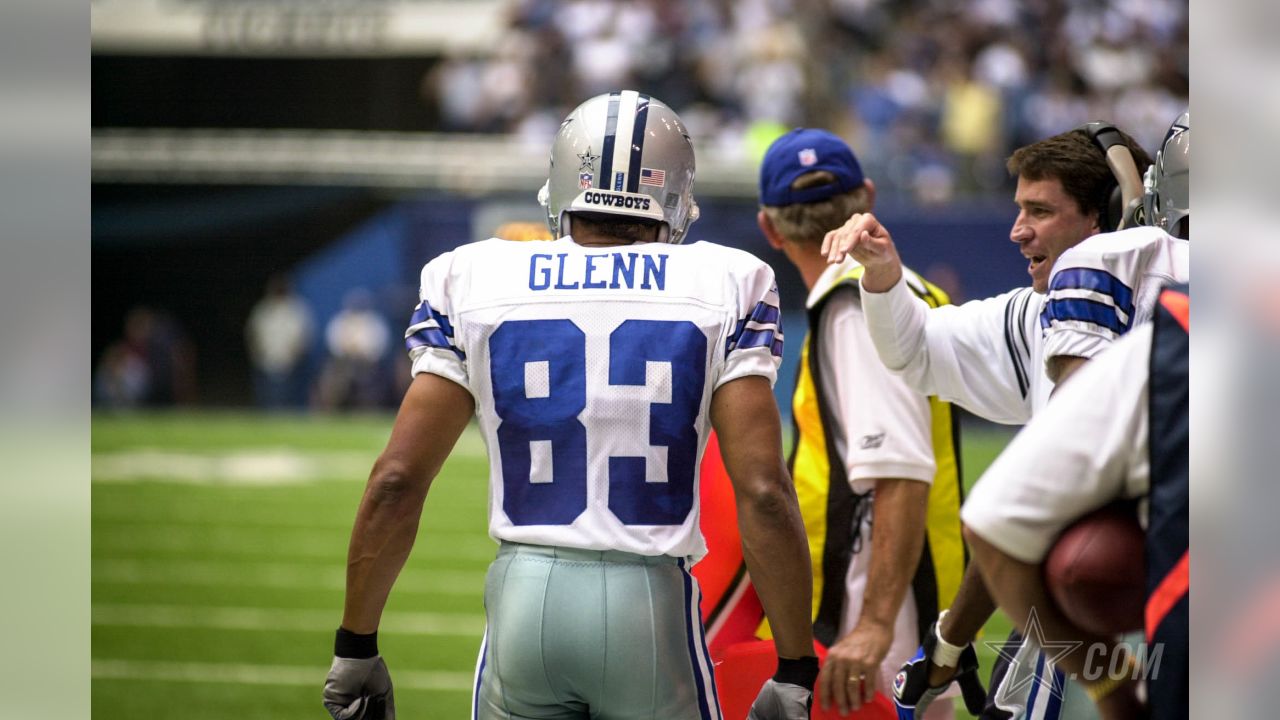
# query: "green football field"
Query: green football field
{"points": [[219, 545]]}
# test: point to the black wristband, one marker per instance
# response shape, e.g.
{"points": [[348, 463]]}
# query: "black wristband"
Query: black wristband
{"points": [[797, 671], [354, 645]]}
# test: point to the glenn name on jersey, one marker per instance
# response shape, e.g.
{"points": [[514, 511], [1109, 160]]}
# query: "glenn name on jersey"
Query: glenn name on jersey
{"points": [[494, 317]]}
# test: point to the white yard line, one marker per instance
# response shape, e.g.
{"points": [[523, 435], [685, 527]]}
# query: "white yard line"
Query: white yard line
{"points": [[250, 618], [229, 541], [246, 674], [127, 571], [261, 466], [264, 466]]}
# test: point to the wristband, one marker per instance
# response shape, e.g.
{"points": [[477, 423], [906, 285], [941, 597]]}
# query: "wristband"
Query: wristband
{"points": [[797, 671], [944, 653], [354, 645]]}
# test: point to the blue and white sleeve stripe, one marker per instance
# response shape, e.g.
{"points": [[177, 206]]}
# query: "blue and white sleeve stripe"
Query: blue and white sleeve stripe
{"points": [[1090, 296], [761, 328], [430, 328]]}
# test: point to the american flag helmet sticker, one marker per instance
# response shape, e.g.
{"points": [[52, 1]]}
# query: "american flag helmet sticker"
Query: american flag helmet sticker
{"points": [[652, 176]]}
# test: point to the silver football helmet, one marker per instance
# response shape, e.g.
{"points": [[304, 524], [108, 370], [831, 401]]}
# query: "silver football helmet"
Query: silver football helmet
{"points": [[1167, 202], [623, 153]]}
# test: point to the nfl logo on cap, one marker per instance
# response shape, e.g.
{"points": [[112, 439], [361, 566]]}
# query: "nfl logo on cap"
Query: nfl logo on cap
{"points": [[803, 151]]}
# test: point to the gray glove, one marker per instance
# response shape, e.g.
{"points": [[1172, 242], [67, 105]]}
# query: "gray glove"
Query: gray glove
{"points": [[781, 701], [359, 689]]}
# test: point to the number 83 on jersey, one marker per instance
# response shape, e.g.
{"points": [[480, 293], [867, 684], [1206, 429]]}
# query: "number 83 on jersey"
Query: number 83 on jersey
{"points": [[541, 387]]}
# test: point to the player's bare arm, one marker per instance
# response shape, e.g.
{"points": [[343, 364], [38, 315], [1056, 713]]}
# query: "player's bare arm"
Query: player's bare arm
{"points": [[970, 610], [431, 418], [745, 416], [946, 654], [849, 677], [870, 243], [1019, 588]]}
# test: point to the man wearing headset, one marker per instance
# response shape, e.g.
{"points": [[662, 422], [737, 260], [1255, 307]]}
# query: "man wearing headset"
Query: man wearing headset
{"points": [[1132, 446], [989, 356]]}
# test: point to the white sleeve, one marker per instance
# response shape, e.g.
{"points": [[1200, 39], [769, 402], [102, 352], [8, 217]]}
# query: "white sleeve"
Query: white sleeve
{"points": [[1090, 303], [887, 426], [1106, 285], [977, 354], [1075, 456], [431, 336], [755, 345]]}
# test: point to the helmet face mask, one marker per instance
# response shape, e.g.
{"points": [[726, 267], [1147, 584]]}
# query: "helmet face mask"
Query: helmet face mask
{"points": [[1167, 202], [623, 154]]}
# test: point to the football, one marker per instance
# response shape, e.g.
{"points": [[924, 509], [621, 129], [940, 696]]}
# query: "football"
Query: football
{"points": [[1095, 571]]}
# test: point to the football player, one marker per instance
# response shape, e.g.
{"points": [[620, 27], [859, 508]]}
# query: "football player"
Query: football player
{"points": [[1132, 446], [596, 365]]}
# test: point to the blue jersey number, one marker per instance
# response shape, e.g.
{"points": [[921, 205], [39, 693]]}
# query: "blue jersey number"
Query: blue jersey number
{"points": [[553, 418]]}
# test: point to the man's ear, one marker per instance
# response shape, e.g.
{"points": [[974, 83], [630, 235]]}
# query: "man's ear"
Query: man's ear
{"points": [[871, 193], [770, 232], [1097, 222]]}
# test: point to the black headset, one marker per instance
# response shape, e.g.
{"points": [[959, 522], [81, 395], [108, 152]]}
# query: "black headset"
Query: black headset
{"points": [[1119, 212]]}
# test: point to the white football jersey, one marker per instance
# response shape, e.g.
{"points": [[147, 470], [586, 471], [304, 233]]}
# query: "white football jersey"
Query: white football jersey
{"points": [[1106, 285], [592, 371]]}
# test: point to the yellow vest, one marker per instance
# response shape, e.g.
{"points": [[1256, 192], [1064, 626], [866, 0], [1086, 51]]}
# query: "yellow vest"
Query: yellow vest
{"points": [[832, 511]]}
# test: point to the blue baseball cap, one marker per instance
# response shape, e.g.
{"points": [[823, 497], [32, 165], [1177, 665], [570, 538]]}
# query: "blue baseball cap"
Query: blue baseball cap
{"points": [[802, 151]]}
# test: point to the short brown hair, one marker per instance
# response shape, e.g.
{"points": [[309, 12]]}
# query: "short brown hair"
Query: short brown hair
{"points": [[1076, 161], [810, 222]]}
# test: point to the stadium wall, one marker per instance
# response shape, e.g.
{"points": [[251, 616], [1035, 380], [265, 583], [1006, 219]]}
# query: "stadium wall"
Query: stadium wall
{"points": [[209, 284]]}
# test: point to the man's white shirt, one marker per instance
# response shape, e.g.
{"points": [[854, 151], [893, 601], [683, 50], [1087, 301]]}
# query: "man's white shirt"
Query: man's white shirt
{"points": [[883, 428], [593, 370], [985, 355], [989, 355]]}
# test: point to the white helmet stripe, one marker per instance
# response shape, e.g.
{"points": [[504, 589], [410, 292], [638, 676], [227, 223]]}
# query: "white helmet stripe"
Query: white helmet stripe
{"points": [[620, 161]]}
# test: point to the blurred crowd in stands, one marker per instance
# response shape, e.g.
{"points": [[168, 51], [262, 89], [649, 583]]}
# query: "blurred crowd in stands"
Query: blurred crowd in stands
{"points": [[151, 365], [933, 94], [356, 364]]}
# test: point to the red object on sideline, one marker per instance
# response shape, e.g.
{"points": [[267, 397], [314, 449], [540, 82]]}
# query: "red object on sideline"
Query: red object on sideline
{"points": [[730, 609]]}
